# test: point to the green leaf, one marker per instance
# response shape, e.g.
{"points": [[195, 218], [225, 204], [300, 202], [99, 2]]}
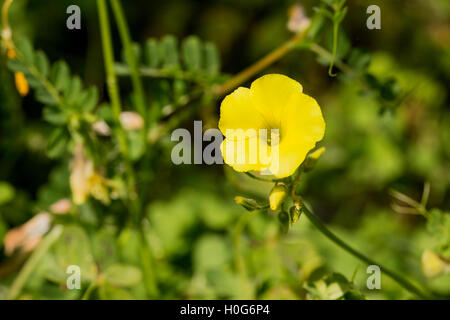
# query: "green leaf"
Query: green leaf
{"points": [[88, 100], [211, 252], [169, 51], [43, 96], [179, 89], [25, 50], [74, 249], [359, 59], [42, 64], [105, 248], [54, 115], [57, 143], [212, 59], [17, 66], [136, 48], [137, 147], [152, 56], [33, 81], [129, 244], [192, 53], [123, 275], [390, 90], [114, 293], [60, 75], [6, 193], [73, 90]]}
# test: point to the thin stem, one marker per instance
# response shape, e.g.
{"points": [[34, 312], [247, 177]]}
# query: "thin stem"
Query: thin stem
{"points": [[261, 64], [333, 54], [114, 94], [251, 175], [111, 78], [132, 61], [328, 55], [393, 275], [239, 261], [5, 10], [33, 261]]}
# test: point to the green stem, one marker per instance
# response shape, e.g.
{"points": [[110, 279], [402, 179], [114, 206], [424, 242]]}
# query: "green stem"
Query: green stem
{"points": [[134, 202], [131, 60], [147, 265], [239, 261], [393, 275], [111, 78], [114, 94], [89, 290], [261, 64], [319, 50], [33, 261], [335, 42]]}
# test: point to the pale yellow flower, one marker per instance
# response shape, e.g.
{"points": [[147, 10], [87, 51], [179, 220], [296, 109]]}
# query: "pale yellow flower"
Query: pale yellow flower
{"points": [[84, 181], [433, 265]]}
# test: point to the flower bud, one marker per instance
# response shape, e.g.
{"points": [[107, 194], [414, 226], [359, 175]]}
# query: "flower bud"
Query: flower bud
{"points": [[277, 196], [433, 265], [101, 128], [21, 84], [248, 204], [62, 206], [295, 212], [11, 53], [298, 21], [131, 121]]}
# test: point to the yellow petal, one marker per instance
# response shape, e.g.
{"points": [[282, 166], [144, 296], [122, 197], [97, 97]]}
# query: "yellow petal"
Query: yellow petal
{"points": [[270, 95], [277, 196], [240, 155], [303, 120], [302, 127], [238, 112]]}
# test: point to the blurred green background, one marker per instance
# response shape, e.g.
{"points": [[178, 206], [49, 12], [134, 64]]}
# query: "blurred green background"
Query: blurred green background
{"points": [[372, 146]]}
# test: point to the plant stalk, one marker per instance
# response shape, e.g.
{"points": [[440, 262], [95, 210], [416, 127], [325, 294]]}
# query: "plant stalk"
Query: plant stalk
{"points": [[393, 275], [33, 261], [261, 64], [111, 78], [239, 261], [132, 62]]}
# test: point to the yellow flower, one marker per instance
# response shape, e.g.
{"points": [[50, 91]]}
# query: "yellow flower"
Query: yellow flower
{"points": [[274, 104]]}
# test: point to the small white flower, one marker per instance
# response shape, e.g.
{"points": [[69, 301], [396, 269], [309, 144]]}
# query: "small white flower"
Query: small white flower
{"points": [[61, 206], [101, 128], [298, 21], [131, 121]]}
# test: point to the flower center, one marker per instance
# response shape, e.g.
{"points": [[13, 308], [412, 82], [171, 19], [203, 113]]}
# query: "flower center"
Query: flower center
{"points": [[273, 136]]}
